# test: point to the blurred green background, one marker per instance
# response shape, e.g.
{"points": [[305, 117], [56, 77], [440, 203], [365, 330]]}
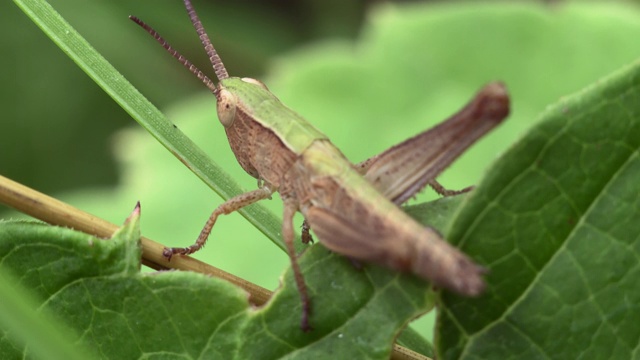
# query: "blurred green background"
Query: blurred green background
{"points": [[40, 82], [368, 73]]}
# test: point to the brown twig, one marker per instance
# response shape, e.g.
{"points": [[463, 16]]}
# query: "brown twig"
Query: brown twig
{"points": [[55, 212]]}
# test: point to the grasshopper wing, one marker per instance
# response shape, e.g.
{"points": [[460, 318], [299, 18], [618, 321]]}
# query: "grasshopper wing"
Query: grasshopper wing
{"points": [[350, 217]]}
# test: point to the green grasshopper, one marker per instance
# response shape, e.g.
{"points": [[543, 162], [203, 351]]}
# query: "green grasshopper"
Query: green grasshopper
{"points": [[353, 209]]}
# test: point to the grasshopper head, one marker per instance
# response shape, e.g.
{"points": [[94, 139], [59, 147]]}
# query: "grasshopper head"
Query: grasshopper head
{"points": [[230, 92]]}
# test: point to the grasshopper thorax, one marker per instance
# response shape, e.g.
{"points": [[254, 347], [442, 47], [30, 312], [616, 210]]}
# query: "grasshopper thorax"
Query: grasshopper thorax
{"points": [[255, 82]]}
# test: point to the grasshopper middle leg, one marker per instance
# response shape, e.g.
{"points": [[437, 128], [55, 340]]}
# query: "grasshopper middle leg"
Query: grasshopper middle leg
{"points": [[290, 208]]}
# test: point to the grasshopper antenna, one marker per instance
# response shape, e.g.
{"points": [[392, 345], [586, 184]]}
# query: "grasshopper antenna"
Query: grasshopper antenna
{"points": [[181, 59], [214, 58]]}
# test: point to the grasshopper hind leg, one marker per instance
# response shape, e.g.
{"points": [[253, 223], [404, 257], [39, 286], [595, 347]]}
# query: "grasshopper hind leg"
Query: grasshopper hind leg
{"points": [[441, 190]]}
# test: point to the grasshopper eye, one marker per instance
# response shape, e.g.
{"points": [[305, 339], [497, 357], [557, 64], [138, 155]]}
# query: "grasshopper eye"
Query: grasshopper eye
{"points": [[255, 82], [226, 107]]}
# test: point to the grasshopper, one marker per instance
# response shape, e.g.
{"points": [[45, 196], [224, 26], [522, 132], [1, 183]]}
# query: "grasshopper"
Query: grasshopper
{"points": [[352, 209]]}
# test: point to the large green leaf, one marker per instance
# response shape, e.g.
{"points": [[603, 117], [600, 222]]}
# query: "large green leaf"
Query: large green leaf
{"points": [[22, 325], [556, 221], [49, 262], [96, 286]]}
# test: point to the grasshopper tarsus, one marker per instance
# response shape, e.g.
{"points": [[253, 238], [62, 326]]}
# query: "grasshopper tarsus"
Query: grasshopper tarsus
{"points": [[304, 323], [202, 238], [169, 252]]}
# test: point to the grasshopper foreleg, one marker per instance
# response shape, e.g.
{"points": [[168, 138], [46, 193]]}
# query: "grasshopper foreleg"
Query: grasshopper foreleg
{"points": [[229, 206], [290, 208]]}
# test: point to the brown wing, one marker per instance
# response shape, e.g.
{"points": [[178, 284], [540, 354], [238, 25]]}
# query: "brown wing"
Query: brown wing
{"points": [[424, 253]]}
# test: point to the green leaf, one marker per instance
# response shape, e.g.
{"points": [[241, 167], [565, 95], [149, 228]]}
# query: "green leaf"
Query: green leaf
{"points": [[556, 221], [23, 326], [437, 214], [48, 261], [413, 340], [96, 285]]}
